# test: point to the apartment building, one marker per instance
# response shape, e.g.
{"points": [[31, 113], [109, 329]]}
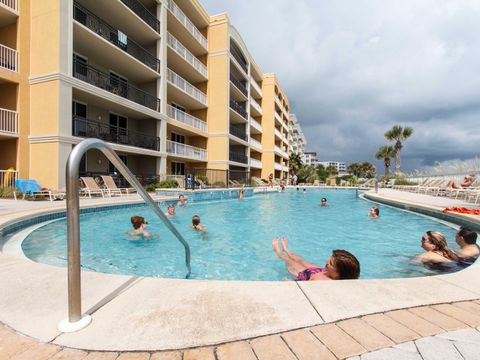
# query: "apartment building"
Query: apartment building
{"points": [[341, 167], [310, 158], [169, 87], [297, 140], [14, 88]]}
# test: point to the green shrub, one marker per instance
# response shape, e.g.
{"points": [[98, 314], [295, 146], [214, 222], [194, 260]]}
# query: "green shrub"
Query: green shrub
{"points": [[166, 184], [150, 187], [403, 181], [8, 192]]}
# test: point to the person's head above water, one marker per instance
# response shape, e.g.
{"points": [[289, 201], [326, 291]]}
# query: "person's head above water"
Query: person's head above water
{"points": [[466, 236], [374, 212], [138, 221], [171, 209], [195, 220], [343, 265]]}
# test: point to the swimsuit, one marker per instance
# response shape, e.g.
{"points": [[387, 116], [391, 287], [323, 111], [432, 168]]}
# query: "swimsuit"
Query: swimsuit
{"points": [[306, 274]]}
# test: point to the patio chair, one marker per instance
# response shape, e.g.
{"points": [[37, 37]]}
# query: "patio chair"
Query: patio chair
{"points": [[111, 187], [33, 189], [259, 181], [91, 187]]}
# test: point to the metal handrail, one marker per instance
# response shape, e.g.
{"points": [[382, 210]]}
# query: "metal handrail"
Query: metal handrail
{"points": [[73, 224]]}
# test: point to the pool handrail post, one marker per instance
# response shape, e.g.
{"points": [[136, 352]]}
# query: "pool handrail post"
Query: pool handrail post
{"points": [[75, 320], [376, 186]]}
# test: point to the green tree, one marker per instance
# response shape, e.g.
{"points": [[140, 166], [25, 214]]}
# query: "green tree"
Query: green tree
{"points": [[331, 170], [385, 152], [308, 174], [295, 162], [398, 134], [354, 169], [362, 170]]}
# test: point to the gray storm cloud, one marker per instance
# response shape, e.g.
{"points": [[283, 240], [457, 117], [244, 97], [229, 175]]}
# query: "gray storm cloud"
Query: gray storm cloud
{"points": [[352, 69]]}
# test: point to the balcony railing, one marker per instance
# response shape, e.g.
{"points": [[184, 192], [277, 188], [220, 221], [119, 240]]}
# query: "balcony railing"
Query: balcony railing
{"points": [[7, 178], [239, 85], [255, 163], [93, 129], [256, 124], [187, 55], [114, 36], [255, 143], [277, 166], [256, 86], [192, 152], [8, 58], [184, 85], [192, 29], [255, 105], [284, 168], [238, 107], [237, 157], [12, 4], [8, 121], [277, 150], [278, 133], [143, 13], [185, 118], [239, 59], [239, 133], [277, 117], [114, 85]]}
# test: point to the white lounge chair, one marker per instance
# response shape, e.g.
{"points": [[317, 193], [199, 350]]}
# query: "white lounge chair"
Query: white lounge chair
{"points": [[111, 188], [91, 187]]}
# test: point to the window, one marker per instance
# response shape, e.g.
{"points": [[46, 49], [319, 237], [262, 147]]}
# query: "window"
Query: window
{"points": [[178, 138], [118, 128], [178, 168], [113, 169]]}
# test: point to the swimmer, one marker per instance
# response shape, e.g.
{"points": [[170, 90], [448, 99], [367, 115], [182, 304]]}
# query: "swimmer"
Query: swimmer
{"points": [[181, 200], [240, 195], [139, 224], [196, 223], [374, 213], [324, 202], [170, 210], [436, 249]]}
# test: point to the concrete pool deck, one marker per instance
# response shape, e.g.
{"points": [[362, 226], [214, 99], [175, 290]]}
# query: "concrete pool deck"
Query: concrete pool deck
{"points": [[150, 314]]}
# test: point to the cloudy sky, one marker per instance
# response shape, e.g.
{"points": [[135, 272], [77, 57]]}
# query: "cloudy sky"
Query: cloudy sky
{"points": [[354, 68]]}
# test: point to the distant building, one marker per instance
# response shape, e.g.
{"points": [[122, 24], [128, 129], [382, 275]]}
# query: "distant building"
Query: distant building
{"points": [[310, 158], [297, 141], [340, 166]]}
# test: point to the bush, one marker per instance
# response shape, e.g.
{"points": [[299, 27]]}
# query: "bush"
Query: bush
{"points": [[8, 193], [166, 184], [403, 181]]}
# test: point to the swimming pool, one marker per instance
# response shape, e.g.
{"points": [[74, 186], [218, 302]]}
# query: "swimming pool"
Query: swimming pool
{"points": [[237, 245]]}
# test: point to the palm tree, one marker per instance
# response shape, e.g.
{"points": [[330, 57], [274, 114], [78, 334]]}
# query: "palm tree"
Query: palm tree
{"points": [[398, 134], [385, 152], [295, 162]]}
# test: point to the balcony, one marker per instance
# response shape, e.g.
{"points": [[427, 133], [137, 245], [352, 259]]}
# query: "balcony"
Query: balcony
{"points": [[185, 54], [185, 118], [277, 166], [143, 13], [278, 133], [237, 157], [12, 4], [239, 108], [113, 85], [256, 107], [255, 143], [186, 151], [239, 133], [236, 55], [185, 21], [114, 36], [239, 85], [284, 168], [93, 129], [255, 163], [186, 87], [8, 58], [8, 122], [256, 87], [256, 125]]}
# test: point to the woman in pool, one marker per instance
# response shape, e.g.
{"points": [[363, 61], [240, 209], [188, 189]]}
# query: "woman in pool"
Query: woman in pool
{"points": [[374, 213], [139, 224], [436, 249], [181, 200], [340, 266]]}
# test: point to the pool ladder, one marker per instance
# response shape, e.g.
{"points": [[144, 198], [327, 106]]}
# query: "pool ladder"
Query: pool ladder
{"points": [[76, 320]]}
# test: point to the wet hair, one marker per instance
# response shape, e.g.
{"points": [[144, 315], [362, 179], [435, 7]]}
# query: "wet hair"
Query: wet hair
{"points": [[346, 264], [376, 211], [440, 243], [468, 235], [195, 220], [181, 196], [137, 221], [171, 206], [324, 199]]}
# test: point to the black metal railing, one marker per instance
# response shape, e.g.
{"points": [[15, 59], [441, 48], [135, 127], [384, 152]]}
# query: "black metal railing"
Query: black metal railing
{"points": [[236, 54], [235, 131], [201, 178], [241, 86], [114, 85], [112, 35], [93, 129], [143, 13], [237, 157], [238, 107]]}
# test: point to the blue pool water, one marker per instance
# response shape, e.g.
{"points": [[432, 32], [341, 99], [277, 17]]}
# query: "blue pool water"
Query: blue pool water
{"points": [[237, 245]]}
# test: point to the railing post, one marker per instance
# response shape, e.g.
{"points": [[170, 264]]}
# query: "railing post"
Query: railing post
{"points": [[376, 186]]}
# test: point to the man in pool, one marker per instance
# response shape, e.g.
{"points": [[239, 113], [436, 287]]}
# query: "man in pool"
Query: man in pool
{"points": [[340, 266], [139, 224], [170, 210], [324, 202], [181, 200], [467, 240]]}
